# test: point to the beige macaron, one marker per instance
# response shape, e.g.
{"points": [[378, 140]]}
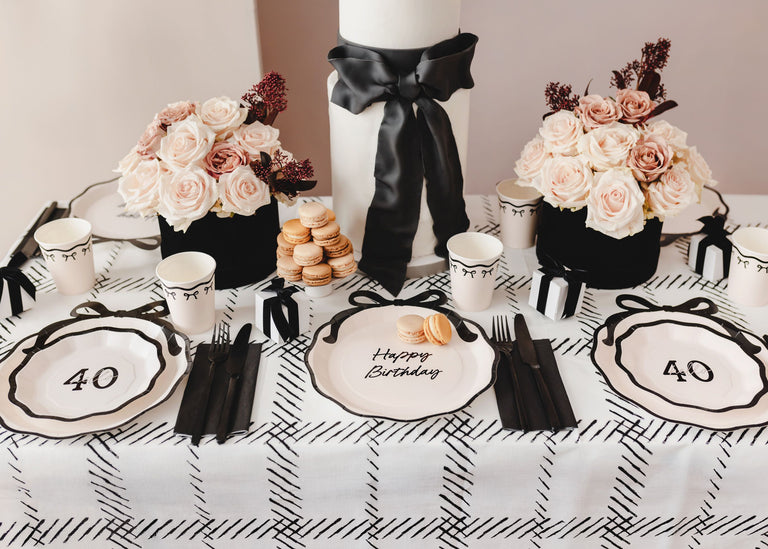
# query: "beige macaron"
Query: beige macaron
{"points": [[294, 232], [410, 328], [288, 269], [437, 329], [283, 246], [327, 235], [307, 254], [316, 275], [342, 266], [342, 247], [313, 214]]}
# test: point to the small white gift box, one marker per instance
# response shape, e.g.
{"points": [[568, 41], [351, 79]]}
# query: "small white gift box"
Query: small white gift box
{"points": [[282, 313], [17, 293], [709, 259], [555, 297]]}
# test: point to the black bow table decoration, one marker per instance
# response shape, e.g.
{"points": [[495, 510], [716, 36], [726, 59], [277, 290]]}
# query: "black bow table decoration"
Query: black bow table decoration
{"points": [[411, 147], [12, 283], [288, 327]]}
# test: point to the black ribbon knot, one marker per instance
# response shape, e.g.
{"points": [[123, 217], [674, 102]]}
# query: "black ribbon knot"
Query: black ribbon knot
{"points": [[287, 327], [12, 282], [412, 147]]}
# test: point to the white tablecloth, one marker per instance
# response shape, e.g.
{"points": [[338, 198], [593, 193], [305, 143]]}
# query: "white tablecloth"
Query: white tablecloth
{"points": [[309, 474]]}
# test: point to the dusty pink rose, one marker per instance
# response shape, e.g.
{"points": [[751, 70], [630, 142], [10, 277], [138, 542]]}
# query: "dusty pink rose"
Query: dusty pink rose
{"points": [[176, 112], [608, 146], [561, 133], [672, 193], [595, 110], [650, 157], [222, 115], [224, 157], [531, 160], [149, 142], [635, 105], [565, 181], [140, 188], [186, 196], [256, 138], [187, 142], [241, 192], [615, 204]]}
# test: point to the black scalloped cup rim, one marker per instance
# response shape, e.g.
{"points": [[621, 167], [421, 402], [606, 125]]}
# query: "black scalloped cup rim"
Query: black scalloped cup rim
{"points": [[600, 261]]}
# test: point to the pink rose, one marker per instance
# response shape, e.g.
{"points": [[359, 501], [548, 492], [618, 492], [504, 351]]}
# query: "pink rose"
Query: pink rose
{"points": [[608, 146], [186, 196], [149, 142], [128, 162], [595, 110], [241, 192], [222, 115], [650, 157], [140, 188], [635, 105], [187, 142], [176, 112], [615, 204], [256, 138], [565, 181], [224, 157], [561, 133], [671, 134], [672, 193], [531, 159], [698, 168]]}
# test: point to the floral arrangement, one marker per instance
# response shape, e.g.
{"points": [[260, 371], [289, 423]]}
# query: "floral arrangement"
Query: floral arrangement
{"points": [[220, 156], [604, 153]]}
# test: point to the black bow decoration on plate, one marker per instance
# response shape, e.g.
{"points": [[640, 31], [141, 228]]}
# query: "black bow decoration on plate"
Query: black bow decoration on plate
{"points": [[152, 312], [431, 299], [701, 306], [287, 327], [411, 147], [12, 282]]}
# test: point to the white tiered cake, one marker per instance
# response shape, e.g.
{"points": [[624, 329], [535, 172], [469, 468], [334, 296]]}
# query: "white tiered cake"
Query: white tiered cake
{"points": [[390, 24]]}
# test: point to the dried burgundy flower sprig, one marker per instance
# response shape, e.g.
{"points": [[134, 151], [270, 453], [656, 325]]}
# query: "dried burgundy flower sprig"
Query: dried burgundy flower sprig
{"points": [[646, 72], [284, 174], [266, 99]]}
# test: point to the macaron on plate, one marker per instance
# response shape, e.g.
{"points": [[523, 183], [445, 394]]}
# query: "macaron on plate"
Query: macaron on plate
{"points": [[369, 369]]}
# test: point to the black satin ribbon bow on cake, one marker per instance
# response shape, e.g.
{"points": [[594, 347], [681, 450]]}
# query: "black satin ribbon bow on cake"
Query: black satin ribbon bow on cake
{"points": [[411, 147]]}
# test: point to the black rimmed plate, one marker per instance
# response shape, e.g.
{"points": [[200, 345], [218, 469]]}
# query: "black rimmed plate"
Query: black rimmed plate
{"points": [[86, 373], [103, 207], [370, 372], [713, 388], [81, 419]]}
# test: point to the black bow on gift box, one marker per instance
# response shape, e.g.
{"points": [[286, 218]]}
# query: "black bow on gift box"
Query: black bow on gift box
{"points": [[715, 235], [12, 282], [287, 327], [411, 147], [551, 269]]}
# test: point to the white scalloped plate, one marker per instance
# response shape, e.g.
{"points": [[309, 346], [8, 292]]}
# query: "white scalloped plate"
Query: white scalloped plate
{"points": [[356, 373], [15, 418], [756, 413]]}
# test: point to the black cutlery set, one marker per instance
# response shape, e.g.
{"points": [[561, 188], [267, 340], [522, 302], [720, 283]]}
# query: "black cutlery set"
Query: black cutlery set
{"points": [[219, 395], [529, 391]]}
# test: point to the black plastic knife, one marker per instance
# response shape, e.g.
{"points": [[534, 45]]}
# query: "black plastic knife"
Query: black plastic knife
{"points": [[234, 366], [527, 352]]}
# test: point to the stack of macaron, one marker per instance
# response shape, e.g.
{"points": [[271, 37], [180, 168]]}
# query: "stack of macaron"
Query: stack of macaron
{"points": [[414, 328], [312, 250]]}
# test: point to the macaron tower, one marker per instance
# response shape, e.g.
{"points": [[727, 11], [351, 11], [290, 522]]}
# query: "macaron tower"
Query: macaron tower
{"points": [[311, 249]]}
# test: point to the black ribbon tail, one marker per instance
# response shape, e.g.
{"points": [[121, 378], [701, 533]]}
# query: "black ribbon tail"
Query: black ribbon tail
{"points": [[393, 215], [541, 299], [442, 170]]}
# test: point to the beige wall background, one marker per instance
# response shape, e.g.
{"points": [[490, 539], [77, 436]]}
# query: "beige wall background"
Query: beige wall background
{"points": [[79, 80]]}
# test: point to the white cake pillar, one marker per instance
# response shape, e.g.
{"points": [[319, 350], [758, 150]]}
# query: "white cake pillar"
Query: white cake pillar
{"points": [[390, 24]]}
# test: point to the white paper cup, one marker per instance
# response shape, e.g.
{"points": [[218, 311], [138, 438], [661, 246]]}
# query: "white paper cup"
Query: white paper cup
{"points": [[66, 246], [518, 213], [473, 261], [188, 283], [748, 273]]}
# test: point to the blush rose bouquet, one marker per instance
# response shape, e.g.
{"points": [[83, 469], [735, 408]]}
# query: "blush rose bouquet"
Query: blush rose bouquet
{"points": [[220, 156], [606, 155]]}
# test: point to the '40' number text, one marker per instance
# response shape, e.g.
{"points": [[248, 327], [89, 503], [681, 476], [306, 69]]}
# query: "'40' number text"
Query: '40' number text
{"points": [[102, 379], [696, 368]]}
